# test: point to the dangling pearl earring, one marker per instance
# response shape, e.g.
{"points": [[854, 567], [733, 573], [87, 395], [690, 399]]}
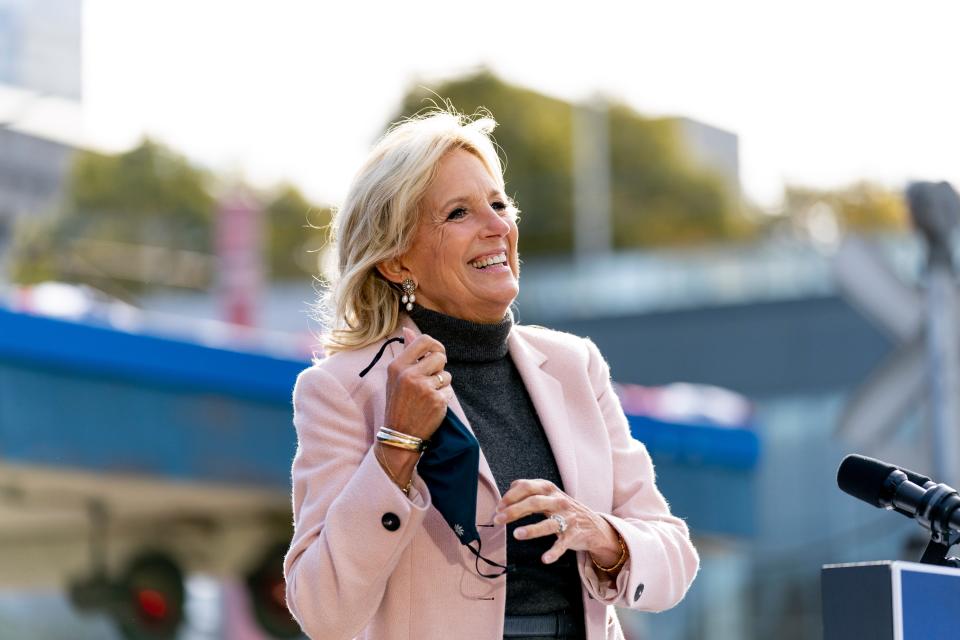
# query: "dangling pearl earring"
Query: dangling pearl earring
{"points": [[409, 286]]}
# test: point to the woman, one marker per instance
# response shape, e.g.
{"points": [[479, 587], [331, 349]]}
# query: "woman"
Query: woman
{"points": [[427, 252]]}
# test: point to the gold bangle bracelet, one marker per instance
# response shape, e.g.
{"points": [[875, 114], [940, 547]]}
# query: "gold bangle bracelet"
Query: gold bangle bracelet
{"points": [[400, 434], [619, 563], [386, 467], [401, 440], [398, 443]]}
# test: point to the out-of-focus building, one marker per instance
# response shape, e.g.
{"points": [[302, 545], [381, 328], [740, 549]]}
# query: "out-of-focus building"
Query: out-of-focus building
{"points": [[40, 44], [32, 171], [714, 149], [706, 147], [40, 90]]}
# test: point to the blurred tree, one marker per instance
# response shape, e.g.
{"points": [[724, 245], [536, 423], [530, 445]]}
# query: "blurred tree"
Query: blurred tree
{"points": [[658, 196], [144, 218], [127, 221], [661, 197], [150, 195], [862, 206], [297, 232]]}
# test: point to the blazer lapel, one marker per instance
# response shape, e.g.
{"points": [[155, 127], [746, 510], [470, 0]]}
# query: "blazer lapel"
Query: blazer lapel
{"points": [[546, 392]]}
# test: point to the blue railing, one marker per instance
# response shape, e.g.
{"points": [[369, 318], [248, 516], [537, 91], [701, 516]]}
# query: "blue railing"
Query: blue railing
{"points": [[697, 444], [103, 351]]}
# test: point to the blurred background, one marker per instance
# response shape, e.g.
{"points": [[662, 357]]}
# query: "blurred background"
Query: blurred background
{"points": [[713, 192]]}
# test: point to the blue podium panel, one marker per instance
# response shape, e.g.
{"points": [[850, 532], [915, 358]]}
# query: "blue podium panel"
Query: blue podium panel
{"points": [[890, 601], [929, 601]]}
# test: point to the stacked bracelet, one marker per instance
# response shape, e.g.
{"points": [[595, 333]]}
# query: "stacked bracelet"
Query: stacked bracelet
{"points": [[619, 563], [400, 440]]}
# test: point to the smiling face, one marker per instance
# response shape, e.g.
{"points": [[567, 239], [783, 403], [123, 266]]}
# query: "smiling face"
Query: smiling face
{"points": [[464, 251]]}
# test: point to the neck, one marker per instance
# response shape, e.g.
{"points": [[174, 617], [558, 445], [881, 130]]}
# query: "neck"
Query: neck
{"points": [[465, 340]]}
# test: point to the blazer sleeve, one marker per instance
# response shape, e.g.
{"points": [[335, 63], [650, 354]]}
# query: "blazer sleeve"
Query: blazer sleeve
{"points": [[351, 522], [663, 561]]}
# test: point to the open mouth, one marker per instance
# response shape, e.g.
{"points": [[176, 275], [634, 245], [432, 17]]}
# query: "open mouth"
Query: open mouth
{"points": [[489, 261]]}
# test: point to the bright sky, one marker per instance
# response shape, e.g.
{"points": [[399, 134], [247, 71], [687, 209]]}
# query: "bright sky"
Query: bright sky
{"points": [[820, 92]]}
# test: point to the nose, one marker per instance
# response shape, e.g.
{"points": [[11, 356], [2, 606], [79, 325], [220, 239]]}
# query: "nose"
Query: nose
{"points": [[497, 224]]}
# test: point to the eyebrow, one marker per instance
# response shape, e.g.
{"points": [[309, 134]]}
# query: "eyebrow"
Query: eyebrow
{"points": [[458, 199]]}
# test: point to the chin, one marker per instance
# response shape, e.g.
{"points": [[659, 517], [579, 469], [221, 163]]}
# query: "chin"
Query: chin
{"points": [[496, 303], [507, 300]]}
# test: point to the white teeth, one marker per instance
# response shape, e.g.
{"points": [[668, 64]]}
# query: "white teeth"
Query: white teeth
{"points": [[486, 262]]}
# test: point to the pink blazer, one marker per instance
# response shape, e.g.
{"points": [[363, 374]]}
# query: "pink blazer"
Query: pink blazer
{"points": [[368, 562]]}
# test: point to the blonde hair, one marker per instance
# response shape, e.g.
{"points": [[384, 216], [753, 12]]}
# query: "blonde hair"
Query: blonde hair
{"points": [[377, 220]]}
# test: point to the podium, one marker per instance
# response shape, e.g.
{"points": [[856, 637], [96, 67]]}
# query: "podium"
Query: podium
{"points": [[890, 601]]}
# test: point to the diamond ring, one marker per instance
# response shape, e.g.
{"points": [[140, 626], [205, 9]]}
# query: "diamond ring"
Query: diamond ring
{"points": [[561, 522]]}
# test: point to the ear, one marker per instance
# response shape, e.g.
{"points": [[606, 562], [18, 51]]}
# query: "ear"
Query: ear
{"points": [[392, 270]]}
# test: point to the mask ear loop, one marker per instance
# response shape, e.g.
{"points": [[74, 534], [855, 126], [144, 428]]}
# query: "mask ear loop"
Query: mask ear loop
{"points": [[476, 552], [379, 355]]}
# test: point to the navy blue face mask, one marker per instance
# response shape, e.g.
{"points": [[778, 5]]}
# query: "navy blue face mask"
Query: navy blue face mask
{"points": [[450, 467]]}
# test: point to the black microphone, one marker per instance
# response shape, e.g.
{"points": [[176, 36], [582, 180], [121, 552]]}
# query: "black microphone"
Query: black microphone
{"points": [[935, 506]]}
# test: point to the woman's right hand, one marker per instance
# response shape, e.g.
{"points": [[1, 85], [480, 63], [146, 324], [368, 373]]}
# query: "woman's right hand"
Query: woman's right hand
{"points": [[418, 388]]}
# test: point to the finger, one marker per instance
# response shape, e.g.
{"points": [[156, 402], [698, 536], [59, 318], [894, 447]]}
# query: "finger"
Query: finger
{"points": [[520, 489], [447, 393], [431, 364], [553, 553], [441, 379], [418, 347], [446, 378], [531, 504], [546, 527]]}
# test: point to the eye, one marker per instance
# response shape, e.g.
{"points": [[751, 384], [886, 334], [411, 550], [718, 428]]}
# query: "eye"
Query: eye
{"points": [[499, 206], [457, 213]]}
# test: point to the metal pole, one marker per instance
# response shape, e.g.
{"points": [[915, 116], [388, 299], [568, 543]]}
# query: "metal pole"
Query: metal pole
{"points": [[592, 229], [942, 352], [936, 212]]}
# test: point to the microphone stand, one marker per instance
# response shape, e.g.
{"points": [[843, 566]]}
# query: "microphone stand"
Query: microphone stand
{"points": [[937, 549]]}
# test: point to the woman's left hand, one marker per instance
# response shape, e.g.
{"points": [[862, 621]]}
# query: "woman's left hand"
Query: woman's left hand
{"points": [[585, 529]]}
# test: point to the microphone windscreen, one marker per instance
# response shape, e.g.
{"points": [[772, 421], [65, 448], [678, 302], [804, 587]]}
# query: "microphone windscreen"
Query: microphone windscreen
{"points": [[864, 478]]}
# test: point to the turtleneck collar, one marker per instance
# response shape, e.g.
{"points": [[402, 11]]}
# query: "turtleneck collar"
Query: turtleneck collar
{"points": [[465, 341]]}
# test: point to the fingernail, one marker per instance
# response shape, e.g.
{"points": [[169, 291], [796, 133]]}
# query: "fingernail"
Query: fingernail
{"points": [[519, 534], [547, 558]]}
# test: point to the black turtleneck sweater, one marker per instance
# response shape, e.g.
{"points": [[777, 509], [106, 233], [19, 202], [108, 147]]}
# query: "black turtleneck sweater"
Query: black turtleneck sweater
{"points": [[503, 418]]}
